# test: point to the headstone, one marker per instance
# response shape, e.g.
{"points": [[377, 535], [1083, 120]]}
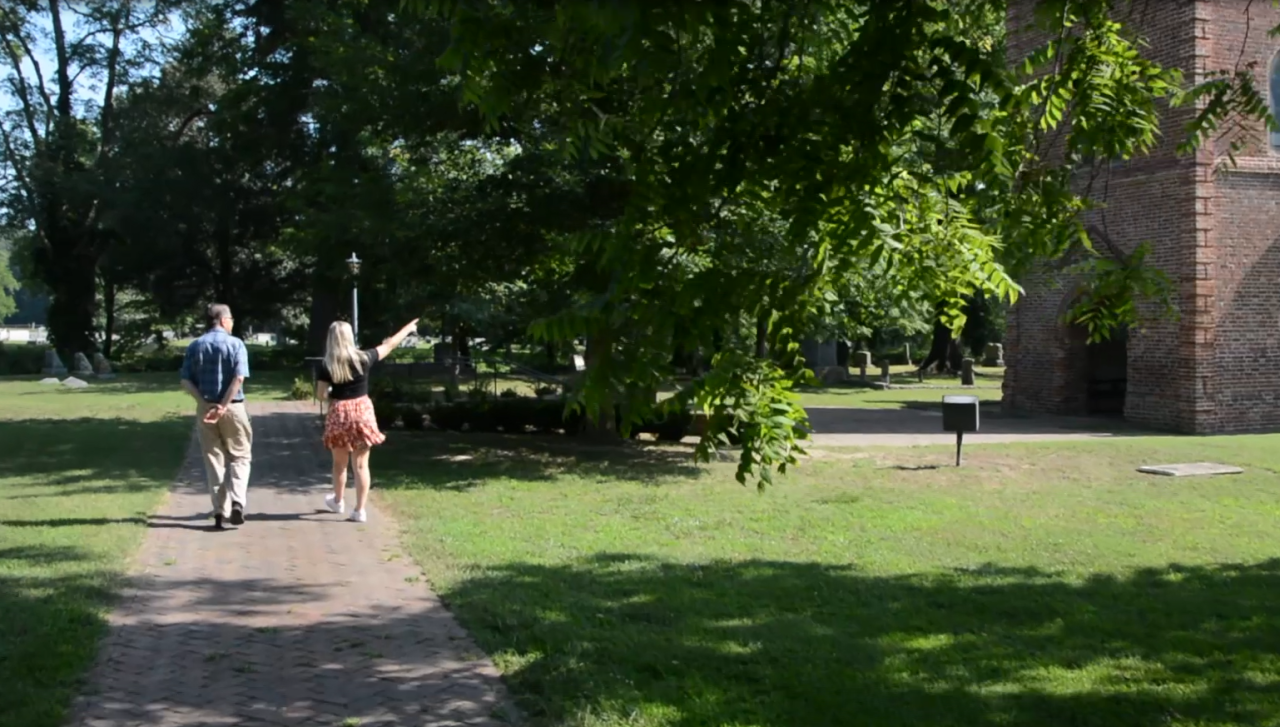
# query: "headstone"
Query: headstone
{"points": [[102, 367], [906, 347], [819, 354], [74, 383], [843, 353], [441, 353], [863, 359], [966, 372], [50, 380], [993, 355], [1191, 469], [886, 376], [579, 363], [53, 365], [82, 365]]}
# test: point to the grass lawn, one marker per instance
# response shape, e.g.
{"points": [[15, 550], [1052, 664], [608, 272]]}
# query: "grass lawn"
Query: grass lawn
{"points": [[987, 388], [81, 470], [1042, 584]]}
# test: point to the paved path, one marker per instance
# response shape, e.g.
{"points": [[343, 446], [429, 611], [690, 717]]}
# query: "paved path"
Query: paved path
{"points": [[853, 427], [297, 618]]}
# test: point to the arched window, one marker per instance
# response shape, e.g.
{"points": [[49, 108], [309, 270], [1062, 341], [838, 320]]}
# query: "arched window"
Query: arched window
{"points": [[1273, 78]]}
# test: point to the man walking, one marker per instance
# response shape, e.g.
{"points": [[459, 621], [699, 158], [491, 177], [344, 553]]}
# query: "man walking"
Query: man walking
{"points": [[213, 373]]}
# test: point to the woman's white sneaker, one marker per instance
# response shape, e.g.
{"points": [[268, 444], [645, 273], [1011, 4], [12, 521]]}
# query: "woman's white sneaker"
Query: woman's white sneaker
{"points": [[337, 506], [358, 516]]}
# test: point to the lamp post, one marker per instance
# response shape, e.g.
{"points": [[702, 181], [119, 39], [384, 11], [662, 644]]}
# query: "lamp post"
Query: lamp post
{"points": [[354, 264]]}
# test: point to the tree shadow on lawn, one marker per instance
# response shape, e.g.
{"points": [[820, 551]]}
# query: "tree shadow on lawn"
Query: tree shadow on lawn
{"points": [[91, 455], [266, 384], [779, 643], [459, 462], [50, 624]]}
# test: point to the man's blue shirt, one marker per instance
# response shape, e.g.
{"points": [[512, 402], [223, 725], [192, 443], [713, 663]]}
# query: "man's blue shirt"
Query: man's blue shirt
{"points": [[212, 361]]}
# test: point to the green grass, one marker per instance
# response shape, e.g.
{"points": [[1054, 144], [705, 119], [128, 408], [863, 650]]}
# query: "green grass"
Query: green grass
{"points": [[988, 387], [1044, 584], [80, 472]]}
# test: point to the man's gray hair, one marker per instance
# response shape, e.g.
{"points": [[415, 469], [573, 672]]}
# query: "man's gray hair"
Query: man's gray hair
{"points": [[216, 312]]}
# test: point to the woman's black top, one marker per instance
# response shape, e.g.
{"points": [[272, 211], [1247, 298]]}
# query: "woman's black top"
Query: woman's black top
{"points": [[353, 389]]}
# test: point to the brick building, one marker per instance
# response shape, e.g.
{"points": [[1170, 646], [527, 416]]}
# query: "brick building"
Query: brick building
{"points": [[1215, 232]]}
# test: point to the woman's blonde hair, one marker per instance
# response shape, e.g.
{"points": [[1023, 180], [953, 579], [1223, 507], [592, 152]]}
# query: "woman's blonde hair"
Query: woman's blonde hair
{"points": [[341, 357]]}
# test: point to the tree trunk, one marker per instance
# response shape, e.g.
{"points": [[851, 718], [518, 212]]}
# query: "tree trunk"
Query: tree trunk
{"points": [[940, 346], [109, 306], [602, 422], [72, 280], [325, 304], [550, 349], [762, 335]]}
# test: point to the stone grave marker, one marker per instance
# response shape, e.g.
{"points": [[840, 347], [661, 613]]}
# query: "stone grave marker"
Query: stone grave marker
{"points": [[53, 365], [50, 380], [74, 383], [966, 372], [82, 365], [102, 367], [863, 360], [886, 375], [579, 363], [993, 355]]}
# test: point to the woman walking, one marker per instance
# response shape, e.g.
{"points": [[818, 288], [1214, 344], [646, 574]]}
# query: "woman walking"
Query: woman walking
{"points": [[350, 429]]}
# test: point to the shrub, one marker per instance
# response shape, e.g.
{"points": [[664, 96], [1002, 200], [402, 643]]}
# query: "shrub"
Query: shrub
{"points": [[302, 389], [509, 394], [21, 359], [545, 390]]}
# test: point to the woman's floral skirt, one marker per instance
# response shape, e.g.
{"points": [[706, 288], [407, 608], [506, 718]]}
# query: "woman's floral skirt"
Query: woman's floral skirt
{"points": [[351, 425]]}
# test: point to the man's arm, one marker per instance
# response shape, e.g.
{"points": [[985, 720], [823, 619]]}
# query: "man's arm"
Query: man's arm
{"points": [[188, 381], [242, 373]]}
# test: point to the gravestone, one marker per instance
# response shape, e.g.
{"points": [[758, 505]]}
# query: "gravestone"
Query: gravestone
{"points": [[906, 347], [53, 365], [966, 372], [863, 360], [579, 363], [442, 353], [102, 367], [50, 380], [819, 354], [82, 365], [886, 376], [993, 355], [74, 383]]}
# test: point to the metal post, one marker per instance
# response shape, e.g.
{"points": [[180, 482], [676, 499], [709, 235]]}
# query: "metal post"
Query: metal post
{"points": [[355, 311], [959, 444]]}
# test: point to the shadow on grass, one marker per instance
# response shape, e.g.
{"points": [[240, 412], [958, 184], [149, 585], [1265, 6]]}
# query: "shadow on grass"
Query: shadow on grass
{"points": [[51, 618], [620, 638], [460, 462], [779, 643], [266, 384], [92, 456]]}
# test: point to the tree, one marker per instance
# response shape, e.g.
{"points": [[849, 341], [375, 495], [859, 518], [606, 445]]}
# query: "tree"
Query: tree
{"points": [[8, 283], [58, 140], [828, 116]]}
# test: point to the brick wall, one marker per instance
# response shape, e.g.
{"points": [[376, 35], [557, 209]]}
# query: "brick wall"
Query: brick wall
{"points": [[1150, 199], [1215, 235], [1242, 216]]}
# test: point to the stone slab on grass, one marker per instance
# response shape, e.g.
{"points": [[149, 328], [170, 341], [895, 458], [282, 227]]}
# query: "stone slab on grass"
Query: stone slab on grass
{"points": [[1191, 469]]}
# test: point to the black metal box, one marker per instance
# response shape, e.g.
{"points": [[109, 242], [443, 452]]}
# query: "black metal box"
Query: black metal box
{"points": [[960, 413]]}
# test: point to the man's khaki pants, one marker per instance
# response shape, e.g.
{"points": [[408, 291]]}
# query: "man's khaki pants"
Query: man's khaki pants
{"points": [[227, 445]]}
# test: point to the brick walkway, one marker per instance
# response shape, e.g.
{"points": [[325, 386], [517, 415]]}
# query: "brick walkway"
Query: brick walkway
{"points": [[297, 618]]}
